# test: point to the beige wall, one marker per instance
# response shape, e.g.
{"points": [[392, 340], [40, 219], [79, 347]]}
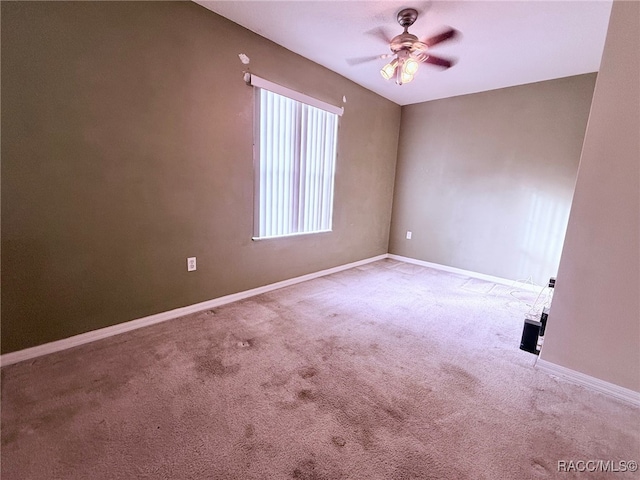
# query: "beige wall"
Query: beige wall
{"points": [[127, 147], [484, 181], [594, 323]]}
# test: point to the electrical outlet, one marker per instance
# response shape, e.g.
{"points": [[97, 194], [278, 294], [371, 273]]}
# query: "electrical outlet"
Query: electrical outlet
{"points": [[191, 264], [408, 235]]}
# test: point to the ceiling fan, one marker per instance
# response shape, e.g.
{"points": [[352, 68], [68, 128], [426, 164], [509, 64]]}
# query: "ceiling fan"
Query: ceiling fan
{"points": [[409, 52]]}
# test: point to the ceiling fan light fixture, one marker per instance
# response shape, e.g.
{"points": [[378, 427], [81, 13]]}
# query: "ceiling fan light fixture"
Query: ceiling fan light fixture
{"points": [[388, 70], [404, 73], [410, 66], [404, 77]]}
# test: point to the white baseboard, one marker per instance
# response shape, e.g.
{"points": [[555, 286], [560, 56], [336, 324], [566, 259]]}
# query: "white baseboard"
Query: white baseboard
{"points": [[468, 273], [607, 388], [621, 393], [81, 339]]}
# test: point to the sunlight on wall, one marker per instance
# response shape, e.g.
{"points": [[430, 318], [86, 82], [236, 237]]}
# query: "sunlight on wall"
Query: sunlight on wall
{"points": [[543, 236]]}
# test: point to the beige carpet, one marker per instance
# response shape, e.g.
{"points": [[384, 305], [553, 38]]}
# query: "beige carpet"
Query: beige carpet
{"points": [[386, 371]]}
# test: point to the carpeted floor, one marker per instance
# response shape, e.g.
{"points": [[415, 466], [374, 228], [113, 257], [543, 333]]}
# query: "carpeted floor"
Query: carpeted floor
{"points": [[385, 371]]}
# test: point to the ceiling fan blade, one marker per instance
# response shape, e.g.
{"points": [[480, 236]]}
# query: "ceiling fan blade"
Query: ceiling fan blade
{"points": [[441, 37], [371, 58], [380, 33], [439, 61]]}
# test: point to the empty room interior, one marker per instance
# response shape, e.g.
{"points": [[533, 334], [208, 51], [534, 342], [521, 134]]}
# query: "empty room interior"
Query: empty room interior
{"points": [[320, 240]]}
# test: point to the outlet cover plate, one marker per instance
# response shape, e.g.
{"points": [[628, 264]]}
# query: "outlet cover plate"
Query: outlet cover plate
{"points": [[191, 264]]}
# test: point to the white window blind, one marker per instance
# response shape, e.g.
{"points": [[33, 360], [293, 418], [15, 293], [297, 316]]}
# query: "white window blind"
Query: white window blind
{"points": [[295, 169]]}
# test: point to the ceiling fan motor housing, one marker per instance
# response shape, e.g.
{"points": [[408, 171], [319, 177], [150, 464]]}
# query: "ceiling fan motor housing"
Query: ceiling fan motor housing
{"points": [[404, 41]]}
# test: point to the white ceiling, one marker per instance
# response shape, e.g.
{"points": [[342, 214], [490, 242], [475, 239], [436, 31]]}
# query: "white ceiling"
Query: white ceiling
{"points": [[503, 43]]}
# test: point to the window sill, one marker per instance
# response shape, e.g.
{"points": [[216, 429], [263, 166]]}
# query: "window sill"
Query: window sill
{"points": [[290, 235]]}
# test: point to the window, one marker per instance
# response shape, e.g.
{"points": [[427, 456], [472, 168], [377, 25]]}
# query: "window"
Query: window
{"points": [[295, 164]]}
